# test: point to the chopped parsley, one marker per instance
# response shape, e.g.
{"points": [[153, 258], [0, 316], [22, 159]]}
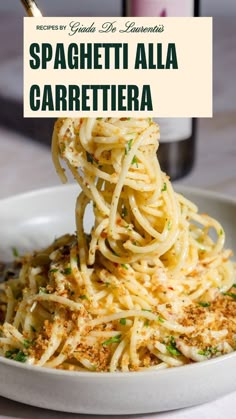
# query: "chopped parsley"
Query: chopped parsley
{"points": [[169, 224], [16, 355], [9, 354], [123, 321], [15, 252], [124, 266], [204, 352], [20, 357], [234, 286], [145, 309], [83, 297], [220, 232], [114, 339], [27, 343], [164, 187], [128, 147], [230, 294], [53, 270], [208, 351], [204, 304], [171, 347], [160, 319], [67, 271], [135, 161], [146, 323]]}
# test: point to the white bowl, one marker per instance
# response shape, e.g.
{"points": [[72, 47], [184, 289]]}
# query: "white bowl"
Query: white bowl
{"points": [[34, 219]]}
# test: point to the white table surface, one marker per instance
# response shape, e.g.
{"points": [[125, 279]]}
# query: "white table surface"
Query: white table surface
{"points": [[25, 165], [223, 408]]}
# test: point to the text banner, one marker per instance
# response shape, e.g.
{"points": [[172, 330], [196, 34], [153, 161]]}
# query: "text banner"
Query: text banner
{"points": [[139, 67]]}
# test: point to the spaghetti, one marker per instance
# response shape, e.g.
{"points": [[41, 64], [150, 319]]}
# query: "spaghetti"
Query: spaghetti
{"points": [[150, 287]]}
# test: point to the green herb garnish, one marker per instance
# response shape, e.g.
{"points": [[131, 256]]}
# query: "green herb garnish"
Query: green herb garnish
{"points": [[171, 347], [146, 323], [208, 351], [83, 297], [124, 266], [204, 304], [123, 321], [53, 270], [145, 309], [114, 339], [220, 232], [135, 161], [230, 294], [16, 355], [21, 357], [27, 343], [169, 224], [15, 252], [9, 354], [67, 271], [160, 319], [204, 352], [164, 187], [128, 147]]}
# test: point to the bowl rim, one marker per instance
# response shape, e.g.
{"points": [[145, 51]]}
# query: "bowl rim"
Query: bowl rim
{"points": [[98, 375]]}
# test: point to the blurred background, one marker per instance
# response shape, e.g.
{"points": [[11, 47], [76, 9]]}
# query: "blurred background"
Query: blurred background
{"points": [[25, 161]]}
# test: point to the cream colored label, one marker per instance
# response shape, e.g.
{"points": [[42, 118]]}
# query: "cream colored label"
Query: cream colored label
{"points": [[107, 83]]}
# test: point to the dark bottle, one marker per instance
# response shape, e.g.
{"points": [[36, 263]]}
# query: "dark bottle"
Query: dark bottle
{"points": [[176, 151]]}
